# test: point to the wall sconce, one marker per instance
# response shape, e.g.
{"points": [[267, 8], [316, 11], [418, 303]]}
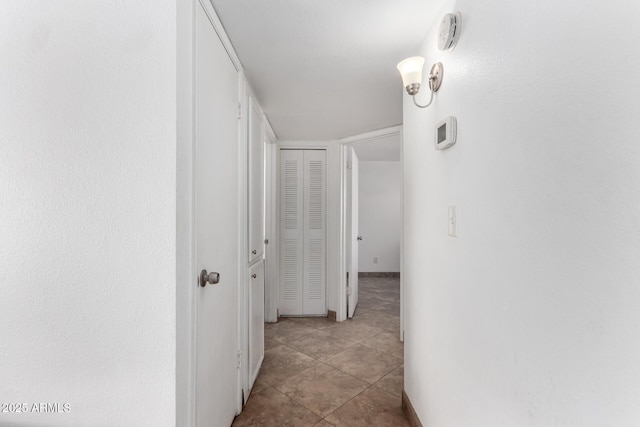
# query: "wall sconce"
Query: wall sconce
{"points": [[411, 71]]}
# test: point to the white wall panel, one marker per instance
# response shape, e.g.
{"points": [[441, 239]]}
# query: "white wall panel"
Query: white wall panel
{"points": [[380, 216], [88, 211], [529, 317]]}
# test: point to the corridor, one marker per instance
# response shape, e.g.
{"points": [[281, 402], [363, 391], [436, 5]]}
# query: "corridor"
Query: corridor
{"points": [[318, 372]]}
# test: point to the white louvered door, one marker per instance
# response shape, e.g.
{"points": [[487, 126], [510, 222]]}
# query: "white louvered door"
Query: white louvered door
{"points": [[302, 232], [313, 299], [291, 232]]}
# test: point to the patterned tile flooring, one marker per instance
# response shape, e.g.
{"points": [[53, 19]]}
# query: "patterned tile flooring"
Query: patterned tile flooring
{"points": [[318, 372]]}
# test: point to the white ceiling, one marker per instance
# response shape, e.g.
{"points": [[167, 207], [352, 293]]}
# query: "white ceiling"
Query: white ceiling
{"points": [[382, 149], [325, 69]]}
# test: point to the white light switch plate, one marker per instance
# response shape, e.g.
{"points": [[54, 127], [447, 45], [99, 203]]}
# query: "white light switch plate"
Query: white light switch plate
{"points": [[453, 221]]}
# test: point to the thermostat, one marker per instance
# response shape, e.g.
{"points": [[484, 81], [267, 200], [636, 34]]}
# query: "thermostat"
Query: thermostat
{"points": [[446, 133]]}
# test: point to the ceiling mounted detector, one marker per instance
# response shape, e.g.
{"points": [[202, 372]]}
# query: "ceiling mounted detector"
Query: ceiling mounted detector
{"points": [[449, 31]]}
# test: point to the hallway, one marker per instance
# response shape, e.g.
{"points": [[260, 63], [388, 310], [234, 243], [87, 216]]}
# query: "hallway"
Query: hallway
{"points": [[319, 372]]}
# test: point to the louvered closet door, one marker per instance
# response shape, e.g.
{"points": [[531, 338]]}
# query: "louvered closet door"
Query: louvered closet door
{"points": [[291, 232], [302, 232], [313, 301]]}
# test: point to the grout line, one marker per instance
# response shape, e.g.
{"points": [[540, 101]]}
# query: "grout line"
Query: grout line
{"points": [[335, 410], [386, 352], [346, 373], [317, 361]]}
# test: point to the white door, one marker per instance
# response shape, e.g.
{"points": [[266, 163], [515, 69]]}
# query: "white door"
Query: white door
{"points": [[256, 183], [315, 202], [353, 237], [216, 217], [256, 320], [302, 233], [291, 232]]}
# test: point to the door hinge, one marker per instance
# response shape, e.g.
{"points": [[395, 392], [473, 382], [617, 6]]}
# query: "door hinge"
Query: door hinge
{"points": [[239, 359], [239, 110], [349, 291]]}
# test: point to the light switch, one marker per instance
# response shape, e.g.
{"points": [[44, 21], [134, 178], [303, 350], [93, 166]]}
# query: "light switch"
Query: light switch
{"points": [[453, 221]]}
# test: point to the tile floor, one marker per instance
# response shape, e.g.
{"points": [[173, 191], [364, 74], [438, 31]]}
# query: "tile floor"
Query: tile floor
{"points": [[318, 372]]}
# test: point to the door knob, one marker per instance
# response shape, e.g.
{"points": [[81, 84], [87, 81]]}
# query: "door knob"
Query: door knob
{"points": [[254, 275], [359, 237], [211, 278], [254, 251]]}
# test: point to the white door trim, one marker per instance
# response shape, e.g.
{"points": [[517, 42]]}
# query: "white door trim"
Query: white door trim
{"points": [[185, 215], [271, 229], [334, 193], [219, 29], [243, 244], [345, 142], [185, 200]]}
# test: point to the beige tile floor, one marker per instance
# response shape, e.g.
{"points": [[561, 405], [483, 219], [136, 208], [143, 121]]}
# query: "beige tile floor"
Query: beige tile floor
{"points": [[321, 373]]}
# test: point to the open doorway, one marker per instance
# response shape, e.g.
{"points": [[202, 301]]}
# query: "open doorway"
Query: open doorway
{"points": [[373, 226]]}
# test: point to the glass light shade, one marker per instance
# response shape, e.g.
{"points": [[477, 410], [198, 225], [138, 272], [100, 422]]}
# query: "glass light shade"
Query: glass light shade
{"points": [[411, 70]]}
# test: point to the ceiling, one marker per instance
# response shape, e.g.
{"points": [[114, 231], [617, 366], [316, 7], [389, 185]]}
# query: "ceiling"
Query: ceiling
{"points": [[381, 149], [325, 69]]}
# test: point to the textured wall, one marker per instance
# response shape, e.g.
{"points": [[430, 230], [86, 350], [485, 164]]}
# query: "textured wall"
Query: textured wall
{"points": [[380, 215], [530, 317], [87, 211]]}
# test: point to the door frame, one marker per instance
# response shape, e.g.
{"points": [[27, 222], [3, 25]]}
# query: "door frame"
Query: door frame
{"points": [[344, 143], [186, 274], [270, 227], [334, 246], [351, 242]]}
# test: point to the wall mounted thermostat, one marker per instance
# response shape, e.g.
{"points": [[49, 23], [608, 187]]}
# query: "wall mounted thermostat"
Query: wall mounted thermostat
{"points": [[449, 31], [446, 133]]}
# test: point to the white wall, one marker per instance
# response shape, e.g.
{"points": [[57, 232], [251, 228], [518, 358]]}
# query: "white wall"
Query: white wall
{"points": [[87, 211], [380, 216], [530, 317]]}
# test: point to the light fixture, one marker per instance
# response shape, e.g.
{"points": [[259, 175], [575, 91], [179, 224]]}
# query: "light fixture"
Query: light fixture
{"points": [[411, 71]]}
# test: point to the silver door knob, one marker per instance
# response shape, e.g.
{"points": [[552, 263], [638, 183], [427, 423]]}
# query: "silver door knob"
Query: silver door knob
{"points": [[359, 237], [211, 278]]}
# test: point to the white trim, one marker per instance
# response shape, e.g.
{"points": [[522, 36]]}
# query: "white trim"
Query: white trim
{"points": [[271, 229], [243, 246], [254, 101], [219, 29], [402, 323], [257, 372], [373, 135], [268, 129], [341, 313], [306, 145], [185, 216], [342, 281]]}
